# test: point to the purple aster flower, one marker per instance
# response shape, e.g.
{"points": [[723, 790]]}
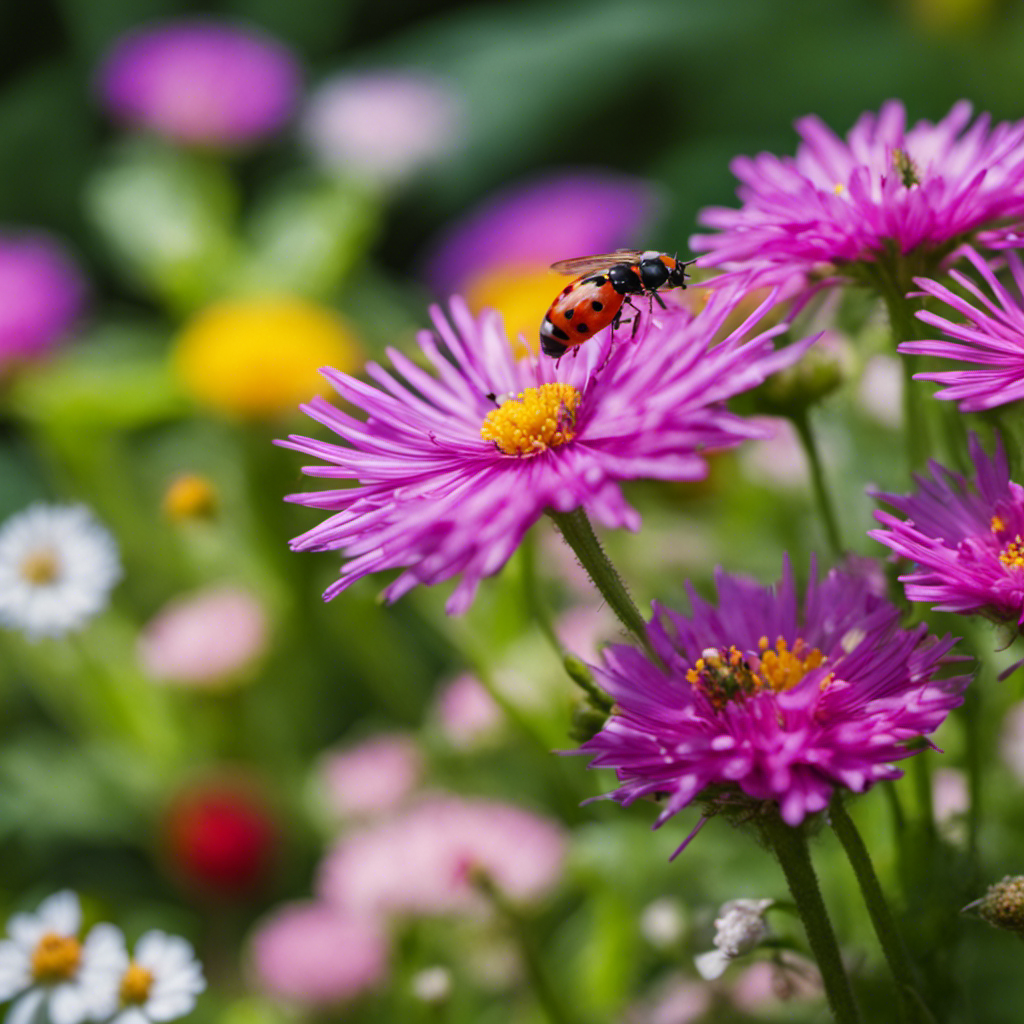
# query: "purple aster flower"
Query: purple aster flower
{"points": [[990, 343], [534, 223], [885, 188], [200, 82], [771, 699], [453, 466], [964, 536], [42, 294]]}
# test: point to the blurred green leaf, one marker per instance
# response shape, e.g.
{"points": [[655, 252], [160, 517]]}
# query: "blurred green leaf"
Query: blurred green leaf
{"points": [[168, 218], [307, 238]]}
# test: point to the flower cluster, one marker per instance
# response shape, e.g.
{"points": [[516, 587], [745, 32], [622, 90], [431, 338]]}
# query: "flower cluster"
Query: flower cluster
{"points": [[46, 966]]}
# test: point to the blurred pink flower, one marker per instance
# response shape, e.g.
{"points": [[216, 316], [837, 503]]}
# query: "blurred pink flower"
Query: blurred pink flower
{"points": [[678, 1000], [765, 983], [381, 125], [583, 628], [880, 391], [421, 860], [311, 954], [42, 294], [200, 82], [204, 639], [374, 776], [466, 713], [779, 462], [534, 223], [950, 797], [1011, 741]]}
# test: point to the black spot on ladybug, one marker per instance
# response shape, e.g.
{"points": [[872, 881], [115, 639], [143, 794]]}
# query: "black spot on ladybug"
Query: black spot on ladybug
{"points": [[569, 313], [567, 289], [599, 280], [582, 328], [597, 306], [559, 333]]}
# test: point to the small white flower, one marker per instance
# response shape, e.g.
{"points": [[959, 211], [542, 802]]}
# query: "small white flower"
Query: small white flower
{"points": [[57, 568], [44, 964], [663, 923], [432, 985], [739, 928], [160, 982]]}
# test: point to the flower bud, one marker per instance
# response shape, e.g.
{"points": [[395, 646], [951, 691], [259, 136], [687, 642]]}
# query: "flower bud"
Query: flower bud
{"points": [[804, 384], [1003, 905], [739, 928]]}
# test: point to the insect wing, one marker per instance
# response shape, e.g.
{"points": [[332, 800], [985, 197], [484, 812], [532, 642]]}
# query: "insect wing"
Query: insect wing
{"points": [[591, 264]]}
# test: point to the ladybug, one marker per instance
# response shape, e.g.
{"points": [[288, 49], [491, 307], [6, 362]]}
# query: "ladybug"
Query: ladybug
{"points": [[595, 299]]}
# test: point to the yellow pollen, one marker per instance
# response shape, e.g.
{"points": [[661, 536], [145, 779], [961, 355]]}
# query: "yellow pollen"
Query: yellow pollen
{"points": [[839, 188], [1012, 555], [540, 418], [998, 524], [731, 675], [40, 567], [55, 958], [135, 984]]}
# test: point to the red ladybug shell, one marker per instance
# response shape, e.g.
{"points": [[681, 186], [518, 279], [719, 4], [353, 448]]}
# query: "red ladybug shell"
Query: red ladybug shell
{"points": [[582, 308]]}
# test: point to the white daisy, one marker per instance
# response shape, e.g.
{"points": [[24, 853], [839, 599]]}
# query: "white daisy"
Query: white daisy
{"points": [[160, 982], [57, 568], [44, 964]]}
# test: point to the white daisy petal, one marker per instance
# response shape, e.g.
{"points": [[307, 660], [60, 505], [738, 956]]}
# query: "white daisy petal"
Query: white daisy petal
{"points": [[171, 1006], [61, 913], [26, 930], [132, 1015], [711, 965], [68, 1004], [25, 1009]]}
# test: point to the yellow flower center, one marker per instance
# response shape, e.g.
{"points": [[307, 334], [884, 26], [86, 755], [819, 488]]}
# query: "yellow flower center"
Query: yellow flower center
{"points": [[998, 524], [540, 418], [135, 984], [730, 675], [55, 958], [40, 567], [1012, 555], [189, 497]]}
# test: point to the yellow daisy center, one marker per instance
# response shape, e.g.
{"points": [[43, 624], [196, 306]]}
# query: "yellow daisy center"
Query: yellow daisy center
{"points": [[55, 958], [725, 676], [135, 984], [40, 567], [540, 418]]}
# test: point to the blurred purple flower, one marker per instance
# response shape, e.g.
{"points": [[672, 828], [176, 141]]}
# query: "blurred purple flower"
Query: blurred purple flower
{"points": [[380, 125], [449, 479], [534, 223], [772, 697], [884, 187], [374, 776], [311, 954], [200, 82], [422, 860], [990, 344], [206, 639], [42, 294], [964, 537], [467, 715]]}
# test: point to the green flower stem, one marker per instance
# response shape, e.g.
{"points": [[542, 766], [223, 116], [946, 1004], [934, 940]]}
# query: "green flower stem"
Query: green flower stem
{"points": [[921, 768], [881, 915], [522, 932], [579, 535], [790, 846], [533, 597], [826, 507]]}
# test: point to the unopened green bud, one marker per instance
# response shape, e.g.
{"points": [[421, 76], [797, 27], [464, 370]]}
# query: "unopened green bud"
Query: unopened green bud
{"points": [[1003, 905], [587, 722], [802, 385]]}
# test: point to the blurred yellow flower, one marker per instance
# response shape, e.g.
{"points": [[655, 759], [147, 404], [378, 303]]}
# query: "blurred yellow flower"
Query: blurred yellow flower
{"points": [[521, 293], [190, 496], [257, 358]]}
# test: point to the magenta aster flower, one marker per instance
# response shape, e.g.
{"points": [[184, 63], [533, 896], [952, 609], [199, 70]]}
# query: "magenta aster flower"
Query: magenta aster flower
{"points": [[42, 294], [964, 536], [885, 187], [200, 82], [770, 698], [990, 343], [453, 467]]}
